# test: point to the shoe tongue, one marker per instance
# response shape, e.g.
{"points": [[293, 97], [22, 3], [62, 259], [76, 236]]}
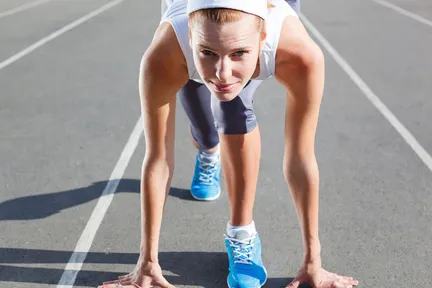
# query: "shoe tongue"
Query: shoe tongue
{"points": [[241, 235], [208, 159]]}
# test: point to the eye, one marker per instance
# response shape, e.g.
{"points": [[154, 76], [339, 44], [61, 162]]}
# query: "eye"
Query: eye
{"points": [[239, 53], [207, 53]]}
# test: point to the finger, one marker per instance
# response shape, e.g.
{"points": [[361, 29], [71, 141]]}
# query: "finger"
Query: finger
{"points": [[329, 284], [111, 283], [126, 281], [163, 283], [347, 280], [124, 276], [337, 278], [341, 285], [332, 275], [294, 284], [350, 281]]}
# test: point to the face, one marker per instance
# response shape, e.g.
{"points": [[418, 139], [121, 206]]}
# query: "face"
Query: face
{"points": [[226, 55]]}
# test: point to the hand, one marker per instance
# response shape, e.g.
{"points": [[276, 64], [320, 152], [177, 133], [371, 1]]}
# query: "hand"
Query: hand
{"points": [[144, 276], [313, 274]]}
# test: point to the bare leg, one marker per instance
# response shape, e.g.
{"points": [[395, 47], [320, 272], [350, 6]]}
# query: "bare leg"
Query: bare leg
{"points": [[240, 156]]}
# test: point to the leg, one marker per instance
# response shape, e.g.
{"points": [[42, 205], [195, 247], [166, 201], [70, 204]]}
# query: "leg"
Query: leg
{"points": [[240, 146], [241, 149], [195, 99]]}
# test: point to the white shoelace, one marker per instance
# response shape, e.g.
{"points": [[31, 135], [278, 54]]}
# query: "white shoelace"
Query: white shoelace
{"points": [[207, 172], [242, 249]]}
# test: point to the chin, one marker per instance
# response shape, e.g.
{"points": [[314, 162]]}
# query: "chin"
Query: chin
{"points": [[225, 97]]}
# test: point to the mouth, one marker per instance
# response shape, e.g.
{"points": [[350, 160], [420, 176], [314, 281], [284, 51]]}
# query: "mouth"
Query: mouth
{"points": [[224, 88]]}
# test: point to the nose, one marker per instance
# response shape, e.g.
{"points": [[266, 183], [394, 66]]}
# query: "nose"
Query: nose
{"points": [[223, 70]]}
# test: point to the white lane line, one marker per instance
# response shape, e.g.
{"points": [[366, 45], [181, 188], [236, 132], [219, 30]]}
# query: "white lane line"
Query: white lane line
{"points": [[85, 241], [22, 8], [57, 33], [373, 98], [404, 12]]}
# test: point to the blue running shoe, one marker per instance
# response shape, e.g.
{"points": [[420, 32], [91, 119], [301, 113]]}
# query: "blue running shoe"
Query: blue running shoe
{"points": [[205, 183], [246, 269]]}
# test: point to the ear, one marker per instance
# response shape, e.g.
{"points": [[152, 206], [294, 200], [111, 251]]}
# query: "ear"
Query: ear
{"points": [[190, 34], [190, 38], [264, 34]]}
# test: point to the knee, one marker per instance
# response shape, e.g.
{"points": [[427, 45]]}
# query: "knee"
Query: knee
{"points": [[233, 117], [206, 141], [308, 57]]}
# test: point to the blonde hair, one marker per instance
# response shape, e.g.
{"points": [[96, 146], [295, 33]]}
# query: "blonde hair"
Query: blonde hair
{"points": [[223, 15]]}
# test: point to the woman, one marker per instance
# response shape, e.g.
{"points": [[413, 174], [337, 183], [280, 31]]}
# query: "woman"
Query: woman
{"points": [[215, 53]]}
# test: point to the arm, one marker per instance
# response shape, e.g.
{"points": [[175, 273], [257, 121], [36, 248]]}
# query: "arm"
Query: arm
{"points": [[300, 69], [163, 72]]}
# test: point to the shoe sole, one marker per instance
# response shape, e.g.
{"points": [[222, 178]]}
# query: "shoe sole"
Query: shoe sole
{"points": [[208, 198], [254, 287]]}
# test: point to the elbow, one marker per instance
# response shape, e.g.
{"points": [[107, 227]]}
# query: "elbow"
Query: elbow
{"points": [[309, 58], [148, 62], [158, 165], [314, 58], [301, 172]]}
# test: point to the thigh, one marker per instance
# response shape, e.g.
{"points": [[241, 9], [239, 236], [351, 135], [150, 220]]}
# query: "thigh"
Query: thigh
{"points": [[196, 101], [236, 116]]}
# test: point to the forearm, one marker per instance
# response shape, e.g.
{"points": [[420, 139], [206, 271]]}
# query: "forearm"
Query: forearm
{"points": [[163, 72], [302, 176], [305, 83], [155, 183], [301, 168], [158, 104]]}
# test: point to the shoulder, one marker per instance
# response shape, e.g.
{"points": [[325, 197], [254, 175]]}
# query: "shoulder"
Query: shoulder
{"points": [[296, 49], [164, 53]]}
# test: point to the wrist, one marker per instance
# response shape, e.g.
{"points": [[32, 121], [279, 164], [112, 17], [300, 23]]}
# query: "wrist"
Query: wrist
{"points": [[147, 259], [146, 266], [312, 251], [148, 255]]}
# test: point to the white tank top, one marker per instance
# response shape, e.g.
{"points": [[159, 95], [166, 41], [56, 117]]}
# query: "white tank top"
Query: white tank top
{"points": [[177, 17]]}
